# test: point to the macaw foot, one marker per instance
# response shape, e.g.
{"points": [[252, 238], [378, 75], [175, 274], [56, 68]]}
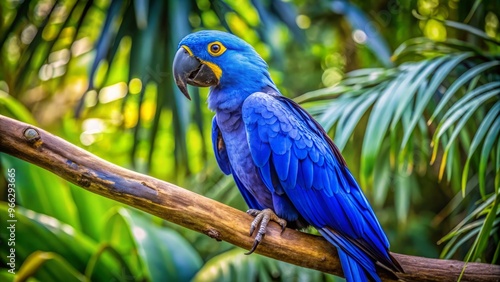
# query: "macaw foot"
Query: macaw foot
{"points": [[262, 218]]}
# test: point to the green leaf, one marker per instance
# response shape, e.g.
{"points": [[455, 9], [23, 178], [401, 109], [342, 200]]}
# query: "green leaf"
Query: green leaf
{"points": [[234, 265], [107, 35], [450, 249], [430, 92], [32, 53], [381, 181], [51, 262], [332, 114], [485, 92], [104, 249], [141, 13], [497, 167], [162, 253], [39, 190], [414, 119], [470, 110], [459, 82], [92, 209], [350, 119], [485, 233], [22, 11], [377, 127], [13, 108], [476, 212], [402, 198], [496, 255], [6, 276], [38, 232], [478, 138], [488, 89], [489, 141], [440, 67], [472, 30], [473, 10], [323, 93]]}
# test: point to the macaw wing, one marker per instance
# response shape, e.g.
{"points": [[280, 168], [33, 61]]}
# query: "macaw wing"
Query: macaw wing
{"points": [[225, 165], [220, 148], [296, 157]]}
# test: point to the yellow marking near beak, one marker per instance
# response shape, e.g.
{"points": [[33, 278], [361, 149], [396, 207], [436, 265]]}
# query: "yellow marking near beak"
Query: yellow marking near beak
{"points": [[215, 68]]}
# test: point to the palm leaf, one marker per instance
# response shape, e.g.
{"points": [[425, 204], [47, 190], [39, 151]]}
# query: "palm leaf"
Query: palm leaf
{"points": [[233, 265], [69, 253], [162, 253]]}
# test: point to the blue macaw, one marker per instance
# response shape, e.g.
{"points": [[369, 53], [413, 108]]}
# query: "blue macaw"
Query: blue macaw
{"points": [[285, 165]]}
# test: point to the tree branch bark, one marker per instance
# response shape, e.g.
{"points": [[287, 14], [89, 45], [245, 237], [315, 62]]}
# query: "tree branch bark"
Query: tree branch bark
{"points": [[202, 214]]}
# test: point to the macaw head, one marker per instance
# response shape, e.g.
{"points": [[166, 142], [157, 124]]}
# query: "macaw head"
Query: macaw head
{"points": [[226, 63]]}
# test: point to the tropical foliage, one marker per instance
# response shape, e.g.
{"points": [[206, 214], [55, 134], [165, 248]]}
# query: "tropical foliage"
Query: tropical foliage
{"points": [[449, 99], [409, 90]]}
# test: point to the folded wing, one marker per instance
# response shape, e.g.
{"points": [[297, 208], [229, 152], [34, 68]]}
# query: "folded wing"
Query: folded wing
{"points": [[296, 157]]}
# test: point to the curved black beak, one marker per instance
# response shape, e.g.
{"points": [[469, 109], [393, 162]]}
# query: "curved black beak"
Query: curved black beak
{"points": [[188, 69]]}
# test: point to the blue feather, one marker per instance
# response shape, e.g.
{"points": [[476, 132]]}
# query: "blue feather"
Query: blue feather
{"points": [[283, 166], [262, 152], [307, 172], [220, 153], [266, 176], [249, 199], [318, 183], [300, 153], [356, 257], [293, 169]]}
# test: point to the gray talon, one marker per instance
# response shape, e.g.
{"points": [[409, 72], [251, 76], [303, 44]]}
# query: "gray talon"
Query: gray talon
{"points": [[262, 219]]}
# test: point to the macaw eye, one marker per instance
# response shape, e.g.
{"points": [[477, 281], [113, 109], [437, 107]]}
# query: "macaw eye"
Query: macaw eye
{"points": [[216, 48]]}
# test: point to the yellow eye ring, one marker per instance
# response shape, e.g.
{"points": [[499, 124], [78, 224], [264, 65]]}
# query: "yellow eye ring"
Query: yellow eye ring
{"points": [[216, 48]]}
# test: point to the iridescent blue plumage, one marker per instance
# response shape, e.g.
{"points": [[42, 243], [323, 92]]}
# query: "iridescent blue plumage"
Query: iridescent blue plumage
{"points": [[281, 158]]}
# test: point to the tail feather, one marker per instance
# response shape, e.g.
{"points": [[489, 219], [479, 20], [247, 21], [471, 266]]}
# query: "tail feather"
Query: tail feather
{"points": [[353, 271], [356, 264]]}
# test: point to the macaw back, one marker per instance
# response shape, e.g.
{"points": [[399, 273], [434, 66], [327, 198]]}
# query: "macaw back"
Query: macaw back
{"points": [[284, 164]]}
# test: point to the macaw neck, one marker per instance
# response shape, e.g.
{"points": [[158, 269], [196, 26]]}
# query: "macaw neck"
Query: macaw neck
{"points": [[238, 81], [229, 96], [230, 99], [226, 99]]}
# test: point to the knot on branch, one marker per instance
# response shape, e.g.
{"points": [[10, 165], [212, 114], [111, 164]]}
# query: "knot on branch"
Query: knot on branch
{"points": [[84, 179], [33, 137], [213, 233]]}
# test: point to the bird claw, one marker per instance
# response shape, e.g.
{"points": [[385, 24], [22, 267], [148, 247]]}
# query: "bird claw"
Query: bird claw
{"points": [[262, 219]]}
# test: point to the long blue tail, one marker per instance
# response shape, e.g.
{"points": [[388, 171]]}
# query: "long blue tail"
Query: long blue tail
{"points": [[353, 271], [356, 264]]}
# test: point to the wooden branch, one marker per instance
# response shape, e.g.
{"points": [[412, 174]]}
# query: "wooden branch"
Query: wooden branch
{"points": [[202, 214]]}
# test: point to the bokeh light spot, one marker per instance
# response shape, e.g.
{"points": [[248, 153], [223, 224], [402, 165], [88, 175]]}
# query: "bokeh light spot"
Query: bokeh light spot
{"points": [[303, 21]]}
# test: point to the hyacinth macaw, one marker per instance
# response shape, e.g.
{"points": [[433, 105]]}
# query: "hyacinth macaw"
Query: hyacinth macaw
{"points": [[285, 165]]}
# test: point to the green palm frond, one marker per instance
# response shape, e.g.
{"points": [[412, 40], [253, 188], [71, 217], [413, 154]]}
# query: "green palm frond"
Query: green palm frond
{"points": [[444, 109], [234, 265]]}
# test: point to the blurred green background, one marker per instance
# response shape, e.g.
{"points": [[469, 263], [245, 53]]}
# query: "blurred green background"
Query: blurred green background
{"points": [[408, 89]]}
